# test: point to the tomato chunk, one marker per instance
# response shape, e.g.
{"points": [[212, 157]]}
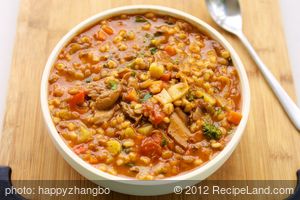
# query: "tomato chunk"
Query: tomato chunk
{"points": [[166, 76], [131, 95], [170, 50], [150, 148], [76, 101], [156, 116], [234, 117], [157, 136]]}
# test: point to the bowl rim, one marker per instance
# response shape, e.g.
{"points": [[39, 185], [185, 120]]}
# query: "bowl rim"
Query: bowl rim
{"points": [[210, 166]]}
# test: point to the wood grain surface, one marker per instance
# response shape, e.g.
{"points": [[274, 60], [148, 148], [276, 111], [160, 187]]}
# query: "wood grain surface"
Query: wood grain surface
{"points": [[269, 148]]}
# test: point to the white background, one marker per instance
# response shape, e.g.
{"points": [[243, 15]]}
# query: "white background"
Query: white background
{"points": [[8, 18]]}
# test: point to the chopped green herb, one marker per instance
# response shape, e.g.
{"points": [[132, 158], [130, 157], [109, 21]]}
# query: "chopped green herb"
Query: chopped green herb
{"points": [[190, 96], [88, 80], [127, 150], [176, 61], [140, 19], [146, 97], [133, 73], [211, 131], [141, 54], [131, 65], [219, 111], [147, 35], [113, 85], [164, 142], [130, 164], [153, 50]]}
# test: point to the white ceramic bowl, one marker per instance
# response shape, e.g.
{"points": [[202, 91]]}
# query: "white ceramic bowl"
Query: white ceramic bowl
{"points": [[136, 187]]}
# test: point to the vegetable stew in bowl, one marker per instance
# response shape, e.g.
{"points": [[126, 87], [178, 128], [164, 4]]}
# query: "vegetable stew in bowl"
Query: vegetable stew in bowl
{"points": [[144, 96]]}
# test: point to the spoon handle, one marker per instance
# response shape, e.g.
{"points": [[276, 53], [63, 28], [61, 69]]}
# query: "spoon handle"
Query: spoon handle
{"points": [[287, 103]]}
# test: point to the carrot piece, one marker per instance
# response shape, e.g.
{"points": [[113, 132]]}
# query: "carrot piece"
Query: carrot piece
{"points": [[150, 148], [154, 111], [234, 117], [170, 50], [107, 29], [76, 100], [101, 36], [131, 95], [166, 76], [93, 160]]}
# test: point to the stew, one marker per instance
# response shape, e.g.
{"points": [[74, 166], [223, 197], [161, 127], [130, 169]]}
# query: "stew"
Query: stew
{"points": [[144, 96]]}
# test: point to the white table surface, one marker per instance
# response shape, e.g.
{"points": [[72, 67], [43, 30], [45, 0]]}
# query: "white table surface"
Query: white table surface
{"points": [[8, 18]]}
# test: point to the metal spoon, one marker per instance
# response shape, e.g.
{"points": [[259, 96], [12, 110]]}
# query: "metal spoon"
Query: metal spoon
{"points": [[227, 14]]}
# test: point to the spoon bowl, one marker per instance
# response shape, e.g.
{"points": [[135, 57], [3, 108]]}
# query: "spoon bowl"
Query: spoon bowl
{"points": [[227, 14]]}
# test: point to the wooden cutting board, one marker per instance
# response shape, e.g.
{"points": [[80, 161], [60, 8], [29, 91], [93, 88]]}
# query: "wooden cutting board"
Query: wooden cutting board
{"points": [[269, 148]]}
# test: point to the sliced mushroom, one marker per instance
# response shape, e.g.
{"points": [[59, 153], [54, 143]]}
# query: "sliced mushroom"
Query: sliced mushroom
{"points": [[178, 130], [181, 115]]}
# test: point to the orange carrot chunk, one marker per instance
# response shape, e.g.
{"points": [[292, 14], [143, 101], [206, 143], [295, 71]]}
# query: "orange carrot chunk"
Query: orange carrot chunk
{"points": [[131, 95], [107, 29], [77, 99], [93, 160], [170, 50], [101, 36], [234, 117], [166, 76]]}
